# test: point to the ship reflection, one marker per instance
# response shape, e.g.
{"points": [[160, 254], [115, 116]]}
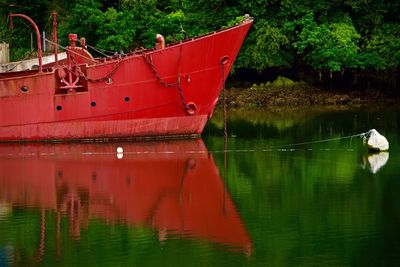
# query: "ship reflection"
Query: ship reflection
{"points": [[172, 187]]}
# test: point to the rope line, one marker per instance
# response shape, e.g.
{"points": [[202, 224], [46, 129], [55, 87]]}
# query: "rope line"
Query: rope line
{"points": [[282, 147], [28, 26], [362, 135], [50, 41], [80, 73], [66, 49], [69, 50], [47, 23], [225, 150], [101, 51], [224, 99]]}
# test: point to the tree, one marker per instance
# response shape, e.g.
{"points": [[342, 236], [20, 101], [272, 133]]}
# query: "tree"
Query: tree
{"points": [[331, 47], [267, 48], [325, 35], [385, 44]]}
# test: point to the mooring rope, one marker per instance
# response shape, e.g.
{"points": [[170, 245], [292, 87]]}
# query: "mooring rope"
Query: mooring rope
{"points": [[100, 51], [284, 147], [225, 150], [362, 135], [224, 99], [69, 50], [268, 149], [58, 45]]}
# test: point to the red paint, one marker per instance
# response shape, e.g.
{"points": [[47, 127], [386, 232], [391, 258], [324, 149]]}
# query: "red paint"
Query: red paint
{"points": [[55, 41], [173, 187], [85, 97]]}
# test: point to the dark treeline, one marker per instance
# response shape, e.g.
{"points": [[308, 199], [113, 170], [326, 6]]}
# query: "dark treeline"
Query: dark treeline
{"points": [[350, 43]]}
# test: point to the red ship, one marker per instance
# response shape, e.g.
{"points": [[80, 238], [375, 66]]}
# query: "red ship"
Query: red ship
{"points": [[172, 187], [168, 91]]}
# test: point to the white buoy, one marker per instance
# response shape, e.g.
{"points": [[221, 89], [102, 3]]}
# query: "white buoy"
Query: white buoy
{"points": [[377, 161], [120, 150], [375, 141]]}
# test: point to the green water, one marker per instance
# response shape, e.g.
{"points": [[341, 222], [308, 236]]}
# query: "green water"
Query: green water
{"points": [[318, 204]]}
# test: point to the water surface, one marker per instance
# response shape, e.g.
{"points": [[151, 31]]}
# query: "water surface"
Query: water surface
{"points": [[267, 200]]}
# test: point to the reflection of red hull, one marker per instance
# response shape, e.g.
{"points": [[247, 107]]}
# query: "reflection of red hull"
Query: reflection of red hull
{"points": [[133, 103], [174, 187]]}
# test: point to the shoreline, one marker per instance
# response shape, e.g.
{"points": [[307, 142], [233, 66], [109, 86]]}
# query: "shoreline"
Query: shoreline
{"points": [[288, 94]]}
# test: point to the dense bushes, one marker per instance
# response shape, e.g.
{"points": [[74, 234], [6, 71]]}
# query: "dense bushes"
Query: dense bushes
{"points": [[321, 35]]}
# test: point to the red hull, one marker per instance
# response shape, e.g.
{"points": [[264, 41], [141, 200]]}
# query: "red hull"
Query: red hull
{"points": [[174, 187], [133, 103]]}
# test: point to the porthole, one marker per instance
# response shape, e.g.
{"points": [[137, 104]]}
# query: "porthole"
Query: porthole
{"points": [[59, 108], [93, 104], [24, 89], [127, 99]]}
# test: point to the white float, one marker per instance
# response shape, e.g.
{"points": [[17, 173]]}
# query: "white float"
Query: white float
{"points": [[375, 141]]}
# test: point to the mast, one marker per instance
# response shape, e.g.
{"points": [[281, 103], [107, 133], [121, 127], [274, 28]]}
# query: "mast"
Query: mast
{"points": [[55, 44]]}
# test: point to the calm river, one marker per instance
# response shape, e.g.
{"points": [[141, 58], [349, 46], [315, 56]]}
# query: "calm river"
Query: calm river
{"points": [[278, 196]]}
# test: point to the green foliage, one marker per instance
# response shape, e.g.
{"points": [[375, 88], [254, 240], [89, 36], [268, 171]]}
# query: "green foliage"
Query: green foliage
{"points": [[235, 21], [171, 26], [117, 30], [330, 47], [20, 38], [323, 34], [267, 49], [87, 9], [385, 45]]}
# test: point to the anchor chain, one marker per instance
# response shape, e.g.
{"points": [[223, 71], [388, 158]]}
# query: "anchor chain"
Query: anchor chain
{"points": [[177, 83], [190, 108], [104, 78]]}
